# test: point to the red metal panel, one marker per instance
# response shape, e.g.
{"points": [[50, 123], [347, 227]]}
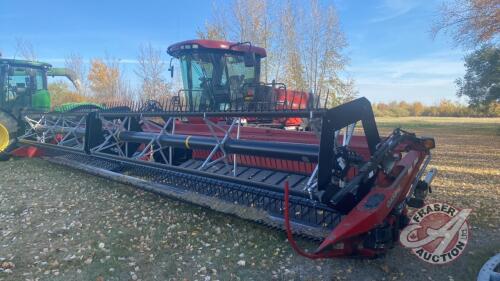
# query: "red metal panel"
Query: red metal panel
{"points": [[361, 219], [217, 45], [27, 151]]}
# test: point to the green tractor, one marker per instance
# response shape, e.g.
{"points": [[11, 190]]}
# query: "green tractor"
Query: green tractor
{"points": [[23, 86]]}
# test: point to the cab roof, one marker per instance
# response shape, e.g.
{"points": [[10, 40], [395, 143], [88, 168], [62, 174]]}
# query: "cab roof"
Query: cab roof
{"points": [[175, 49], [24, 63]]}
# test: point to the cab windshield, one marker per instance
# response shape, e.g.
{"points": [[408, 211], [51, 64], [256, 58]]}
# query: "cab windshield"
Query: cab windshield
{"points": [[215, 79]]}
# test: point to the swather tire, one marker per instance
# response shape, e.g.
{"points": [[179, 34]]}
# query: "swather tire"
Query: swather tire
{"points": [[8, 134]]}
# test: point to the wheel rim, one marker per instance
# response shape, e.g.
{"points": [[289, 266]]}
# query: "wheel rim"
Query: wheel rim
{"points": [[4, 138]]}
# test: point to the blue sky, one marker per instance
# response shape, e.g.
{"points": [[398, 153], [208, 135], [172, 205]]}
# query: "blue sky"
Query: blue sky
{"points": [[392, 55]]}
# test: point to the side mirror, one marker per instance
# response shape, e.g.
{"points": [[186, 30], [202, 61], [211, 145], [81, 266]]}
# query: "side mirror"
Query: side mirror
{"points": [[171, 69], [249, 59]]}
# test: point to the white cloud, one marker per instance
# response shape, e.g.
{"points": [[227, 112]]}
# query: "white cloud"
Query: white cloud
{"points": [[128, 61], [427, 79], [393, 8]]}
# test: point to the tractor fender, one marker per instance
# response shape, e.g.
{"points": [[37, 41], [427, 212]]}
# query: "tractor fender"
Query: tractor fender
{"points": [[8, 134]]}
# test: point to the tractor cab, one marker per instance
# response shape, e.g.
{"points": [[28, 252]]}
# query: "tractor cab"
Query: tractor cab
{"points": [[23, 84], [23, 87], [220, 75]]}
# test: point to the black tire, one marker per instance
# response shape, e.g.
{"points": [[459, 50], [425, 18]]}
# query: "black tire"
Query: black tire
{"points": [[9, 127]]}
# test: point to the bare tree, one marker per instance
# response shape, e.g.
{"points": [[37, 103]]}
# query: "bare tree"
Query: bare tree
{"points": [[211, 32], [242, 21], [469, 22], [217, 28], [150, 69], [305, 48], [323, 43], [289, 45], [25, 49], [76, 64], [123, 88], [340, 91], [253, 24]]}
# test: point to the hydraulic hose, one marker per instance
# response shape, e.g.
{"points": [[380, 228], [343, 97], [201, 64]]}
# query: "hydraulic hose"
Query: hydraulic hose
{"points": [[289, 232]]}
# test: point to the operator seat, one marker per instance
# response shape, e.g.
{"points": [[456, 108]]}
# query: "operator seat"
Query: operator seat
{"points": [[235, 87], [21, 89]]}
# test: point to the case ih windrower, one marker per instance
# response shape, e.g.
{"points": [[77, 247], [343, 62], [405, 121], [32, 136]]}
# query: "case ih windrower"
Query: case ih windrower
{"points": [[222, 143]]}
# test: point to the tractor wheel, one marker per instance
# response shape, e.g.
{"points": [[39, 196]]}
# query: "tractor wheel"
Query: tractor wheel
{"points": [[8, 133]]}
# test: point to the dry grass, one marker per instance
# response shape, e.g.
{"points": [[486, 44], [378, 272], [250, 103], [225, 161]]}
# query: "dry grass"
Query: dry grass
{"points": [[467, 157]]}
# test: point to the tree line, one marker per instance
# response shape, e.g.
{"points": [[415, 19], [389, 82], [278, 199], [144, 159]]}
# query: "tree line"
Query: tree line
{"points": [[445, 108], [103, 79]]}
